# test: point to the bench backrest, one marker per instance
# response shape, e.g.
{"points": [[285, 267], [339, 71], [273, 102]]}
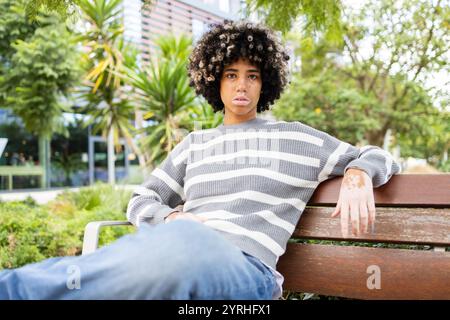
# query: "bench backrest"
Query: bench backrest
{"points": [[411, 210]]}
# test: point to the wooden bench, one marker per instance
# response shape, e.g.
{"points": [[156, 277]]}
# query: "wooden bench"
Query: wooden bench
{"points": [[411, 210]]}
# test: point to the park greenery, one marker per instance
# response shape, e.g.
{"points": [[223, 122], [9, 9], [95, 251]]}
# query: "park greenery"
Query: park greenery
{"points": [[38, 69], [360, 75], [372, 87], [30, 232], [163, 94]]}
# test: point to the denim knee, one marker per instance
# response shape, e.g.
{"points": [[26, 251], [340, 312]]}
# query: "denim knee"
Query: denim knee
{"points": [[167, 261], [187, 260]]}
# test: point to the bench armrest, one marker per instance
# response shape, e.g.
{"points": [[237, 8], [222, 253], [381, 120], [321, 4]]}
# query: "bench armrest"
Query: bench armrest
{"points": [[92, 230]]}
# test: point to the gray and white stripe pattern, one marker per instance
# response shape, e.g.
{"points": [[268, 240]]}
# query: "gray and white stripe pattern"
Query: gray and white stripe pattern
{"points": [[251, 181]]}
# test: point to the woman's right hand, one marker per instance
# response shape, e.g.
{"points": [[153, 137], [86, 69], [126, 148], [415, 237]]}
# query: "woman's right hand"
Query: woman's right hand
{"points": [[176, 215]]}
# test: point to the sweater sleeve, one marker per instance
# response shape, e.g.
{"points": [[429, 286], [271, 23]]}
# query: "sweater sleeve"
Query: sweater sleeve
{"points": [[340, 156], [157, 197]]}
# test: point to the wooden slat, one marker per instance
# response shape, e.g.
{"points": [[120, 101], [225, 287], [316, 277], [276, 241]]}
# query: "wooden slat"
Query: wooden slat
{"points": [[393, 225], [420, 190], [342, 271]]}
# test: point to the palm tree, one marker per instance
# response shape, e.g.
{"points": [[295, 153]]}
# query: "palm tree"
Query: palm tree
{"points": [[200, 116], [109, 108], [163, 92]]}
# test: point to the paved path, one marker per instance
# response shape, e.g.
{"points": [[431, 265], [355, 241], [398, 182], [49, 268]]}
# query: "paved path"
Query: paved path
{"points": [[42, 196]]}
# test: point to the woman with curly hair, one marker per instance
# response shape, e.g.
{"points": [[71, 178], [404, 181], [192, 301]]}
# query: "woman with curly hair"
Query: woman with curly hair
{"points": [[243, 43], [216, 215]]}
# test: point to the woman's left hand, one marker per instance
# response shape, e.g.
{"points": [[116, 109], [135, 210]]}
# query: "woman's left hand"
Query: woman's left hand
{"points": [[356, 201]]}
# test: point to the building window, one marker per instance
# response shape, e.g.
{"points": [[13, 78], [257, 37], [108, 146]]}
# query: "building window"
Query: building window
{"points": [[197, 29], [224, 5]]}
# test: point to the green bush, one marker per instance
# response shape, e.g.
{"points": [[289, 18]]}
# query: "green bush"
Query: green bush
{"points": [[31, 233]]}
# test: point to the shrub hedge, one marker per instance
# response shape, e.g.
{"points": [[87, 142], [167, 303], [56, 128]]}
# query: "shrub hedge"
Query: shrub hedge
{"points": [[31, 233]]}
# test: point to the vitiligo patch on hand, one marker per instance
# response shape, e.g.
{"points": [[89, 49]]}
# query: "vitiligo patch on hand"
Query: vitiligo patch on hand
{"points": [[354, 180]]}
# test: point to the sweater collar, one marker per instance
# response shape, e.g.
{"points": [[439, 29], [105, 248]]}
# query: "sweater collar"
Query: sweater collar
{"points": [[249, 123]]}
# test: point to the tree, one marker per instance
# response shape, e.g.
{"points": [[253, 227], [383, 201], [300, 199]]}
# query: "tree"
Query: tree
{"points": [[13, 26], [163, 94], [38, 75], [430, 141], [375, 83], [321, 15], [331, 104], [410, 43], [64, 8], [108, 104]]}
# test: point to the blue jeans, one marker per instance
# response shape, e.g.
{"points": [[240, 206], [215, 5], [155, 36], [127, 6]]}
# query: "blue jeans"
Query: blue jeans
{"points": [[178, 260]]}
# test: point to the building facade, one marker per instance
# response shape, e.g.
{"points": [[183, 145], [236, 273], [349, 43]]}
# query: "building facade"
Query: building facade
{"points": [[144, 23]]}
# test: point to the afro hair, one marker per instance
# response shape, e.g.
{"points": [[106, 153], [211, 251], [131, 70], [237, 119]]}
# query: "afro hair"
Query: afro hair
{"points": [[224, 44]]}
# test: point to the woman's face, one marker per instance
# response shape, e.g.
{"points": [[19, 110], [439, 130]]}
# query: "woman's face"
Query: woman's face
{"points": [[240, 88]]}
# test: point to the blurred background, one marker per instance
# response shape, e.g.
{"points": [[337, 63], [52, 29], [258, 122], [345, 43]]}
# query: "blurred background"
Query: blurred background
{"points": [[94, 94], [79, 76]]}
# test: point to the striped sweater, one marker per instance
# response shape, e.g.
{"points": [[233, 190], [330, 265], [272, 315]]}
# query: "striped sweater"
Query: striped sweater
{"points": [[252, 180]]}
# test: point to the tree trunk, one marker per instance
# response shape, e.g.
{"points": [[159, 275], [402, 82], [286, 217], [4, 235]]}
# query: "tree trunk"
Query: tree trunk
{"points": [[139, 124], [44, 160], [111, 158], [376, 138], [387, 139]]}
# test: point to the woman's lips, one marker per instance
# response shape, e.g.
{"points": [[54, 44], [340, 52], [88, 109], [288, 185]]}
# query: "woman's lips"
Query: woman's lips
{"points": [[241, 102]]}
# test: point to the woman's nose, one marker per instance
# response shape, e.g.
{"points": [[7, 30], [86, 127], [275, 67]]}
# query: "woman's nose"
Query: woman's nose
{"points": [[241, 85]]}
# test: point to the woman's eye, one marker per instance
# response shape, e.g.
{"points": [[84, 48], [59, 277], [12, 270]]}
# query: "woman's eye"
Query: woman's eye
{"points": [[233, 76]]}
